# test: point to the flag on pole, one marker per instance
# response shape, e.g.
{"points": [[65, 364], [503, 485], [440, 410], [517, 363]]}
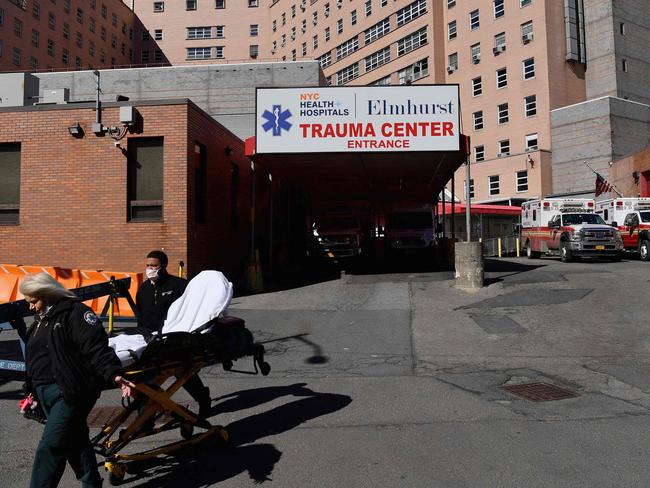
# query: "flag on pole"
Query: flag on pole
{"points": [[602, 186]]}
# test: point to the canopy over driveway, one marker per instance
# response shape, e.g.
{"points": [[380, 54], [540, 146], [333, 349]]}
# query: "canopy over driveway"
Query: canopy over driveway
{"points": [[415, 176]]}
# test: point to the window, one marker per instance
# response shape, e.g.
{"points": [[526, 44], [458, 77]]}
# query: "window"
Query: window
{"points": [[65, 56], [293, 55], [499, 43], [220, 4], [36, 38], [284, 18], [219, 32], [624, 65], [504, 148], [525, 3], [199, 53], [34, 64], [123, 48], [157, 55], [471, 188], [79, 40], [254, 30], [293, 11], [51, 21], [325, 60], [502, 113], [159, 6], [522, 181], [368, 8], [474, 20], [327, 34], [531, 142], [477, 87], [103, 34], [9, 183], [80, 16], [621, 28], [378, 59], [451, 3], [529, 68], [353, 17], [376, 31], [144, 56], [303, 49], [527, 31], [382, 81], [499, 8], [145, 179], [293, 33], [66, 6], [17, 56], [253, 3], [2, 16], [50, 47], [530, 105], [113, 40], [93, 4], [283, 40], [347, 74], [475, 53], [452, 30], [123, 27], [478, 120], [412, 42], [254, 50], [199, 32], [190, 4], [347, 48], [91, 48], [493, 182], [66, 30], [218, 52], [479, 153], [102, 56], [452, 63], [410, 12], [326, 10], [502, 78], [145, 35], [274, 25], [104, 11], [314, 42], [77, 62], [18, 27], [339, 26], [158, 34], [91, 24], [36, 10]]}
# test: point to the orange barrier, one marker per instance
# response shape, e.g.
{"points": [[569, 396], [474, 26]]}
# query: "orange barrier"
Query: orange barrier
{"points": [[11, 274]]}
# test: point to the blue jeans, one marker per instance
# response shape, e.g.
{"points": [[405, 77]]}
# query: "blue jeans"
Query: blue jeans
{"points": [[65, 438]]}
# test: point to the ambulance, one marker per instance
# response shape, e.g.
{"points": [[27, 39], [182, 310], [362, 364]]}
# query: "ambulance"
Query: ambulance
{"points": [[568, 227], [631, 216]]}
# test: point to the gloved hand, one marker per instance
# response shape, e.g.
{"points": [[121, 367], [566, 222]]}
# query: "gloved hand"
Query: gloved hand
{"points": [[126, 386]]}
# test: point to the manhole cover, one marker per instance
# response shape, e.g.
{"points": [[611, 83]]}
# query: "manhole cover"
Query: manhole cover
{"points": [[539, 392]]}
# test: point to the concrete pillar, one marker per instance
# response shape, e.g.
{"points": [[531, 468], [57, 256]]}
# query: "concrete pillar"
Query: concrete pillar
{"points": [[469, 265]]}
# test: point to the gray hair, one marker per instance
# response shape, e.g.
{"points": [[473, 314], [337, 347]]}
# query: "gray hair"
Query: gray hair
{"points": [[42, 285]]}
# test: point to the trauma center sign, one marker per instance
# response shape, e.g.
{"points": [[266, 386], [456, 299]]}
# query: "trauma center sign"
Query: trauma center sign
{"points": [[357, 119]]}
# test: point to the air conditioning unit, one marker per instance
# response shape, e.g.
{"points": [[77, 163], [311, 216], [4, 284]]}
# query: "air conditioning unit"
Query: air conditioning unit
{"points": [[451, 69], [526, 38], [499, 49], [531, 148], [503, 154], [476, 59]]}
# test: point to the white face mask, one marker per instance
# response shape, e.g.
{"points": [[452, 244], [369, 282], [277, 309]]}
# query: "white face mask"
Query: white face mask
{"points": [[152, 273]]}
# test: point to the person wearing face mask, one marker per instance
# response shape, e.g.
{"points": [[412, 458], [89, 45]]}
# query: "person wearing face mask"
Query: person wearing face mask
{"points": [[68, 363], [153, 300]]}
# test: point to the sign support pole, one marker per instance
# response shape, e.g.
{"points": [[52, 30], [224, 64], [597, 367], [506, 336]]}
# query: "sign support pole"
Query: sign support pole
{"points": [[468, 203]]}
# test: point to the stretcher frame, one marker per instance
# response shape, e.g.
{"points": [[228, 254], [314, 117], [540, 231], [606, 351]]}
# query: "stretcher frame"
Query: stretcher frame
{"points": [[154, 401]]}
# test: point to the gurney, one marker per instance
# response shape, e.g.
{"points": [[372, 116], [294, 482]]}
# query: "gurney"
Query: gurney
{"points": [[197, 333]]}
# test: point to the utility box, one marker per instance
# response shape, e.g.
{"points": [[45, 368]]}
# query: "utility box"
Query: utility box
{"points": [[18, 89], [127, 115], [56, 95]]}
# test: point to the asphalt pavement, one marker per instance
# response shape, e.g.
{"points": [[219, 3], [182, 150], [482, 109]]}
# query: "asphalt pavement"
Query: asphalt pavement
{"points": [[394, 380]]}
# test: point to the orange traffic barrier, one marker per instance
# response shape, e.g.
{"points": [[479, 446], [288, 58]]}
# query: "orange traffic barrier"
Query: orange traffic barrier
{"points": [[11, 274]]}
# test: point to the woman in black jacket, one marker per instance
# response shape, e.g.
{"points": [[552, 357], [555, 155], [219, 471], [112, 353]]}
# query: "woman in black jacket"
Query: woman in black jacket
{"points": [[68, 363]]}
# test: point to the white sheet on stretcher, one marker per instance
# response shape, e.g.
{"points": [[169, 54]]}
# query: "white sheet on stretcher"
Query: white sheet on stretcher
{"points": [[207, 295]]}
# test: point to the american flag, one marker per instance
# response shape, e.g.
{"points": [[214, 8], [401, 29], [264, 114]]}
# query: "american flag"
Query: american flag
{"points": [[602, 186]]}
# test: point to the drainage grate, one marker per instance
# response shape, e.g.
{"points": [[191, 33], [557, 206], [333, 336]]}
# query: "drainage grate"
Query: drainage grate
{"points": [[539, 392]]}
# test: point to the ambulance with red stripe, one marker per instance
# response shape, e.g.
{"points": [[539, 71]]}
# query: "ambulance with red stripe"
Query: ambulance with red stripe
{"points": [[567, 227], [632, 218]]}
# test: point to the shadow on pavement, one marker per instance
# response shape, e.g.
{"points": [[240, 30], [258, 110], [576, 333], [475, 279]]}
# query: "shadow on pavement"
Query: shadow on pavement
{"points": [[511, 268], [202, 466]]}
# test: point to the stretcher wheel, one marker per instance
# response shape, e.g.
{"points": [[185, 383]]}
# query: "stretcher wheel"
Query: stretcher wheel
{"points": [[187, 430], [222, 439], [265, 368], [116, 473]]}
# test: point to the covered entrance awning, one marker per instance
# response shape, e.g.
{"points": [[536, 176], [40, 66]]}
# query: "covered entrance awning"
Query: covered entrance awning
{"points": [[414, 176]]}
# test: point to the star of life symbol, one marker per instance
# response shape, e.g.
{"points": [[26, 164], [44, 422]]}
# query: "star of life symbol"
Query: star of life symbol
{"points": [[276, 120]]}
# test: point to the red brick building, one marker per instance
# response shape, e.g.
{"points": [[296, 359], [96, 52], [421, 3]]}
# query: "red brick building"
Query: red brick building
{"points": [[177, 181]]}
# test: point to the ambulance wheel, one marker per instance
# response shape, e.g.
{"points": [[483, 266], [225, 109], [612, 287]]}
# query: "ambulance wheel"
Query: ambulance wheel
{"points": [[565, 253], [530, 254], [644, 250]]}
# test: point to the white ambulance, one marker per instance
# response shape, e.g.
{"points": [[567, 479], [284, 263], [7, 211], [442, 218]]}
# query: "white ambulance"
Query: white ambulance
{"points": [[631, 216], [568, 227]]}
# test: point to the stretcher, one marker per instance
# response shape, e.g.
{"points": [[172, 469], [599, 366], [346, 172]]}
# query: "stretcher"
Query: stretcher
{"points": [[165, 364]]}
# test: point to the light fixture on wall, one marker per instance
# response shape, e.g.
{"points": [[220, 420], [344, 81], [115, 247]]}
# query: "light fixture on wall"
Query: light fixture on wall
{"points": [[531, 161], [76, 131]]}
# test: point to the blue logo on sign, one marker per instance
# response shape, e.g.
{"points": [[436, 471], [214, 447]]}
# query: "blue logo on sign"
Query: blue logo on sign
{"points": [[276, 120]]}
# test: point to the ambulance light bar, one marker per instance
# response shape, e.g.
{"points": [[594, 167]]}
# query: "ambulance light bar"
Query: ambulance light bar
{"points": [[642, 206]]}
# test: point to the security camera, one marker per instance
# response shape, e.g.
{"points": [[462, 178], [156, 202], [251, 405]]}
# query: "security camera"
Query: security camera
{"points": [[117, 144]]}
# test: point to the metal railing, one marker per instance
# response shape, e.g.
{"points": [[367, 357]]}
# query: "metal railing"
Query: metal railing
{"points": [[501, 246]]}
